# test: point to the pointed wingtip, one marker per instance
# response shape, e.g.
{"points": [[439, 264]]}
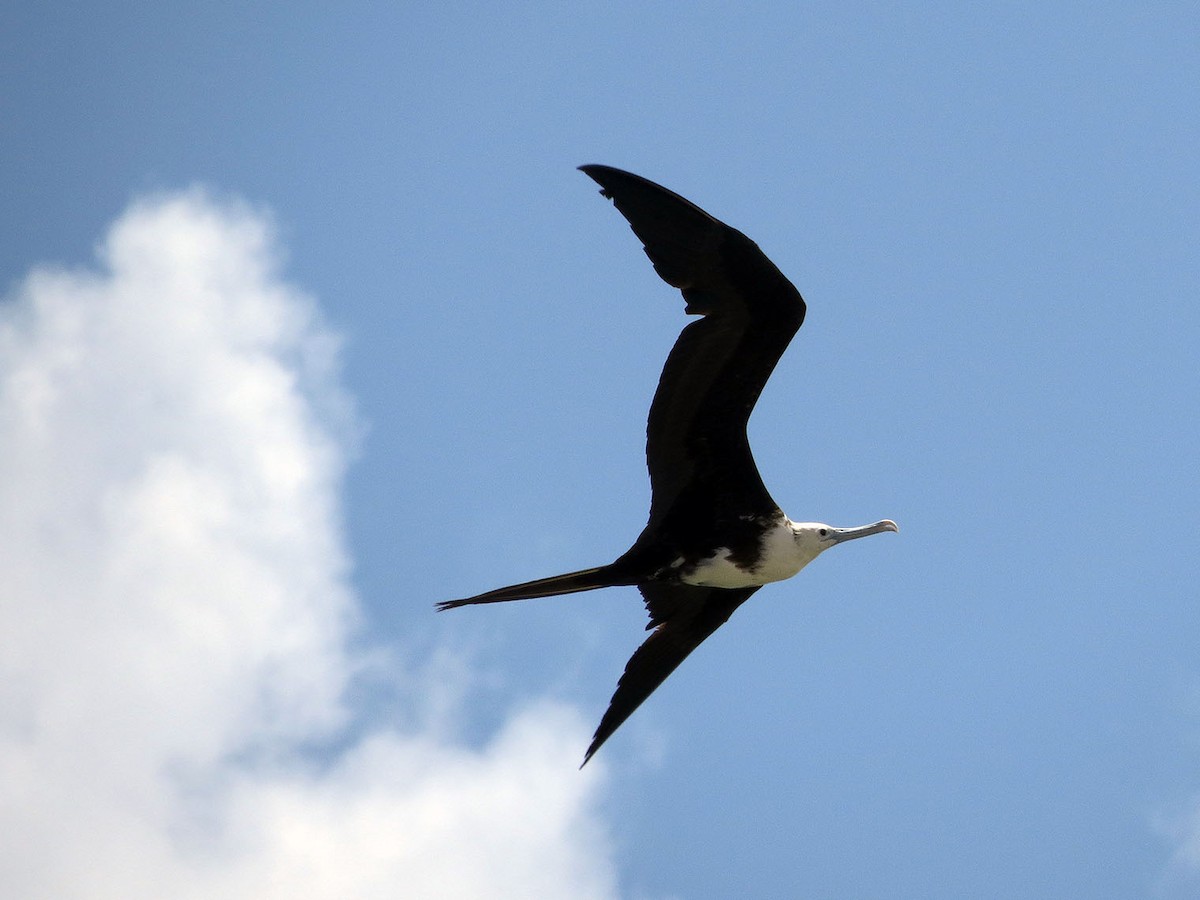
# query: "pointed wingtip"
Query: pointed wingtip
{"points": [[592, 749], [592, 170]]}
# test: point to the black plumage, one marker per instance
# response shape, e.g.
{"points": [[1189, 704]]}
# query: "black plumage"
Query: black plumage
{"points": [[707, 495]]}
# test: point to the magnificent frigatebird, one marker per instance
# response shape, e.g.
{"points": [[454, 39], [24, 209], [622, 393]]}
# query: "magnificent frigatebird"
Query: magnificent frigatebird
{"points": [[715, 536]]}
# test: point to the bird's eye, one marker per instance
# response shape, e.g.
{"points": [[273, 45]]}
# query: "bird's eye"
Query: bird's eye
{"points": [[824, 531]]}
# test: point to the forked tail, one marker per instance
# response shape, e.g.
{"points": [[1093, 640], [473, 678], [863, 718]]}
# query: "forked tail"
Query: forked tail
{"points": [[572, 582]]}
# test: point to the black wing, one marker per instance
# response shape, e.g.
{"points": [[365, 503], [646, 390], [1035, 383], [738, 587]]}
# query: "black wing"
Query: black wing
{"points": [[696, 445], [682, 616]]}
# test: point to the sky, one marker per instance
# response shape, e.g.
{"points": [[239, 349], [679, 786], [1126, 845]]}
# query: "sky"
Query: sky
{"points": [[309, 322]]}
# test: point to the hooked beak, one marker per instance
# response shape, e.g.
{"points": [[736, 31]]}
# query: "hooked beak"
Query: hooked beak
{"points": [[838, 535]]}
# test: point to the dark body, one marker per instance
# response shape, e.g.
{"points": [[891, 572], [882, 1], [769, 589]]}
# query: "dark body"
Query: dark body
{"points": [[707, 494]]}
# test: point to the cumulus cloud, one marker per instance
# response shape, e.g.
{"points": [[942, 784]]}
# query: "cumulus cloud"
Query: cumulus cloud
{"points": [[1177, 823], [175, 612]]}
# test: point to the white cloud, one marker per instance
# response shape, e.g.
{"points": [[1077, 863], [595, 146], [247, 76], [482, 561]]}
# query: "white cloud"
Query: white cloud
{"points": [[175, 610]]}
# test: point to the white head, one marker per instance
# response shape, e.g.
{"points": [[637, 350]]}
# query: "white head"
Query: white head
{"points": [[816, 537]]}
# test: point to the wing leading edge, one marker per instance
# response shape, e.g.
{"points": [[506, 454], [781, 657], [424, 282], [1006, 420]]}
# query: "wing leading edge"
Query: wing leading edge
{"points": [[697, 451], [682, 616]]}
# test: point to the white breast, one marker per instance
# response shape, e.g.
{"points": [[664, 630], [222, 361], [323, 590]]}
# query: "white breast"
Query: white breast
{"points": [[783, 553], [720, 571]]}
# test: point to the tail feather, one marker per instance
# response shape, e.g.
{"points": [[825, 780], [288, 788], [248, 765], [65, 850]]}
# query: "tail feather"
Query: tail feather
{"points": [[570, 583]]}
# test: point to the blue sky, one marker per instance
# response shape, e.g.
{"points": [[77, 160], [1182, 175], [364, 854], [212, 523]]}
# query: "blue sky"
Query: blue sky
{"points": [[993, 216]]}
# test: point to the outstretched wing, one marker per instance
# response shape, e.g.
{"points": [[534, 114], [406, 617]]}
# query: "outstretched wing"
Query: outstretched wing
{"points": [[681, 616], [696, 446]]}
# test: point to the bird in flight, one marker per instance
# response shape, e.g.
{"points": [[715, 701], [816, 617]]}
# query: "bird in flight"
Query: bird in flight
{"points": [[714, 536]]}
